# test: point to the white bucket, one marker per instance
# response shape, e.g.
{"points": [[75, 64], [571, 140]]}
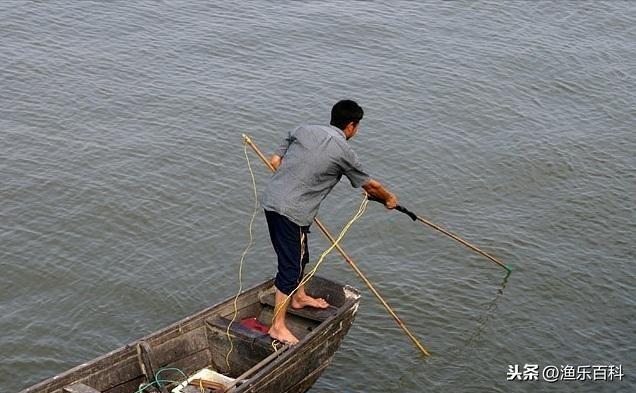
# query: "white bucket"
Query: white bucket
{"points": [[205, 374]]}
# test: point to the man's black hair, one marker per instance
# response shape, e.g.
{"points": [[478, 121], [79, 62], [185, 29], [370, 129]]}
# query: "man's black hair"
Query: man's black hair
{"points": [[345, 112]]}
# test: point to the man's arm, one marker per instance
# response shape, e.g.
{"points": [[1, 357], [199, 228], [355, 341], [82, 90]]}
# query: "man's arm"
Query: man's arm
{"points": [[376, 190]]}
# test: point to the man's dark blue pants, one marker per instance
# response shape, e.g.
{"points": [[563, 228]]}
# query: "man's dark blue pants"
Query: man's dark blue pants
{"points": [[290, 243]]}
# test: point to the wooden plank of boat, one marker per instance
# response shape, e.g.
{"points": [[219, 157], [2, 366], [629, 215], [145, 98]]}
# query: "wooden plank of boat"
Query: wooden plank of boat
{"points": [[200, 341]]}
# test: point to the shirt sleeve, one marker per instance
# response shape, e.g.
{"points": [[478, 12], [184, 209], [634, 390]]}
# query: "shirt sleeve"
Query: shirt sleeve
{"points": [[282, 148], [353, 170]]}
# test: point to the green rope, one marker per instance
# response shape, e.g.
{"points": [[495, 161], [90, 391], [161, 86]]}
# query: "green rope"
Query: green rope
{"points": [[168, 369], [159, 382]]}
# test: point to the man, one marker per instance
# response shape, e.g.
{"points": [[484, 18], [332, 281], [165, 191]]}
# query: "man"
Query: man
{"points": [[308, 164]]}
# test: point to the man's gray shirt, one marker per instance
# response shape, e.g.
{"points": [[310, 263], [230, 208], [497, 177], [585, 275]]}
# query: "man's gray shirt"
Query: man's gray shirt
{"points": [[314, 159]]}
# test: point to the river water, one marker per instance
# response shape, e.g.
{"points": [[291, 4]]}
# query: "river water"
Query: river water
{"points": [[125, 195]]}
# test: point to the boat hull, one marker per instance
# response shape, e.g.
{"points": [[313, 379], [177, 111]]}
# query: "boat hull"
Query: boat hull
{"points": [[201, 341]]}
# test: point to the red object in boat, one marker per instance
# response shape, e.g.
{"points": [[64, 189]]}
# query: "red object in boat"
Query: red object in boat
{"points": [[254, 324]]}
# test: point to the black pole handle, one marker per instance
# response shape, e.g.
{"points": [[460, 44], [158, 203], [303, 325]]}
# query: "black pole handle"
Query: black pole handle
{"points": [[398, 208], [407, 212]]}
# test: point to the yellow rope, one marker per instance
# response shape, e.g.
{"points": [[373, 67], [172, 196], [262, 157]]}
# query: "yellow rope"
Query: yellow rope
{"points": [[359, 213], [249, 245]]}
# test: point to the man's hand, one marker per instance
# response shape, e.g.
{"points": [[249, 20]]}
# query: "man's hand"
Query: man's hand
{"points": [[391, 202], [275, 160]]}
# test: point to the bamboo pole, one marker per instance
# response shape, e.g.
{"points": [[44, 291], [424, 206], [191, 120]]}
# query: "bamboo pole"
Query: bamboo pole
{"points": [[325, 231], [415, 217], [464, 242]]}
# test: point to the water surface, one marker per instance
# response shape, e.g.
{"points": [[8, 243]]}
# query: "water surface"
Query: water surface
{"points": [[126, 196]]}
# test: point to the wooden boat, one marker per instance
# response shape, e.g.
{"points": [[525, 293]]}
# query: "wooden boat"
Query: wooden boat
{"points": [[199, 343]]}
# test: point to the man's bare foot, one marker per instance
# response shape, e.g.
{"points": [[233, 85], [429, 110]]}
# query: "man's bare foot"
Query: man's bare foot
{"points": [[283, 335], [299, 301]]}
